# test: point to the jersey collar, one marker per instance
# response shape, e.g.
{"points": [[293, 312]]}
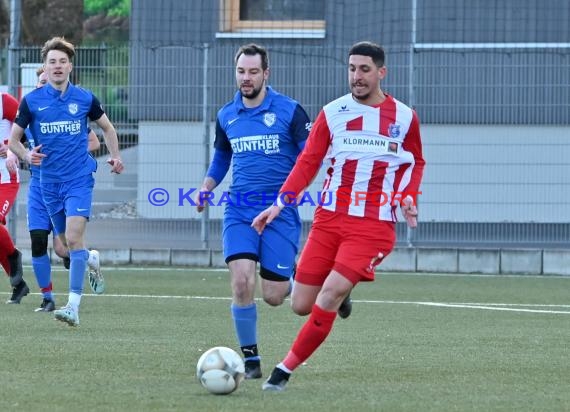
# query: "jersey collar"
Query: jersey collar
{"points": [[57, 93], [264, 106]]}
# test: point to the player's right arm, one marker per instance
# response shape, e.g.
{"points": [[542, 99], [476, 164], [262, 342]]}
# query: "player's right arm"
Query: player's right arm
{"points": [[310, 159], [218, 168], [22, 121], [302, 175]]}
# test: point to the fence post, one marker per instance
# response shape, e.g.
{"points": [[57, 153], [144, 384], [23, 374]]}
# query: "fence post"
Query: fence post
{"points": [[15, 17], [205, 223], [409, 230]]}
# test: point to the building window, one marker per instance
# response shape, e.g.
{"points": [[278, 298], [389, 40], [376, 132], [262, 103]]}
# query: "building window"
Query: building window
{"points": [[277, 15]]}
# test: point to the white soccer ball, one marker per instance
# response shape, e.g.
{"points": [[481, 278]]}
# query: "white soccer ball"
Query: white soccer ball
{"points": [[220, 370]]}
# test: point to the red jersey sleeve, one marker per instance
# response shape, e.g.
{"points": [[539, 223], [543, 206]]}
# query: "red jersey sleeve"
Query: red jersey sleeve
{"points": [[9, 107], [310, 159], [413, 143]]}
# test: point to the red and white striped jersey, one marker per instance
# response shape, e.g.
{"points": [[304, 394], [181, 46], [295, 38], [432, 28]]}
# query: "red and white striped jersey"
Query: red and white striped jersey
{"points": [[375, 156], [8, 110]]}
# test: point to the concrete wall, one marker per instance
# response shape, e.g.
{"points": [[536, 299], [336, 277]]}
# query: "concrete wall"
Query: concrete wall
{"points": [[426, 260]]}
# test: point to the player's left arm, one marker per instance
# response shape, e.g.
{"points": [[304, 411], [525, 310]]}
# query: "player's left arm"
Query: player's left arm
{"points": [[109, 135], [9, 110], [413, 144], [300, 126], [9, 107]]}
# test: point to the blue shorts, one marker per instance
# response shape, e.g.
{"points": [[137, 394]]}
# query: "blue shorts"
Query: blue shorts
{"points": [[275, 250], [38, 216], [72, 198]]}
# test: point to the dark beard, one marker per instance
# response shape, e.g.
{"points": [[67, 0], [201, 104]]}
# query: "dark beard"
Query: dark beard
{"points": [[361, 97], [253, 94]]}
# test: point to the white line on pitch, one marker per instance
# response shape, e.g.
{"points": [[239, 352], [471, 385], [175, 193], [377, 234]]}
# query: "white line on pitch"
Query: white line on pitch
{"points": [[485, 306], [448, 305]]}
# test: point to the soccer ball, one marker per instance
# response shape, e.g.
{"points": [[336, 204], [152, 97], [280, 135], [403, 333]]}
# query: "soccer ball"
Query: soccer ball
{"points": [[220, 370]]}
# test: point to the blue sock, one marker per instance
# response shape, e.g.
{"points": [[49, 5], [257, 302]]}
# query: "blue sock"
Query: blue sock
{"points": [[42, 270], [77, 267], [245, 323]]}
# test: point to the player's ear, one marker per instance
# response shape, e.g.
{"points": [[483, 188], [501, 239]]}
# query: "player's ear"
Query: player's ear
{"points": [[266, 74]]}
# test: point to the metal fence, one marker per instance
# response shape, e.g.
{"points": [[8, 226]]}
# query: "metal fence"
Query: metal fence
{"points": [[520, 155]]}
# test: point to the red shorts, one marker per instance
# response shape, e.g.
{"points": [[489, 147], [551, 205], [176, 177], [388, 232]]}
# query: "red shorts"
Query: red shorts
{"points": [[350, 245], [8, 193]]}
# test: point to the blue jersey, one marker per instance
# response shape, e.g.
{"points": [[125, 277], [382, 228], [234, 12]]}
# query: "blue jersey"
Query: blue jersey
{"points": [[263, 143], [60, 124], [34, 169]]}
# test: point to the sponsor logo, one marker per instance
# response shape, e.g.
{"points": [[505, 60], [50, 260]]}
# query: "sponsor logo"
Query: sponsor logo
{"points": [[66, 126], [394, 130], [268, 143], [232, 121], [269, 119], [280, 266], [41, 109]]}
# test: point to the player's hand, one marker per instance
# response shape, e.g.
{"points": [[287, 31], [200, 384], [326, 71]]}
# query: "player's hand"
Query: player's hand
{"points": [[116, 165], [265, 218], [12, 162], [410, 211], [34, 156], [201, 199], [3, 148]]}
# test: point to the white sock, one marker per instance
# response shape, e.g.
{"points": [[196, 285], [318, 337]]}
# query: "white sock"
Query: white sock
{"points": [[284, 368], [92, 259], [74, 300]]}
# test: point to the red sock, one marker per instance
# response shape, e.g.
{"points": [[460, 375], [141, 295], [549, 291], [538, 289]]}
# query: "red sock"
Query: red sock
{"points": [[6, 248], [310, 337]]}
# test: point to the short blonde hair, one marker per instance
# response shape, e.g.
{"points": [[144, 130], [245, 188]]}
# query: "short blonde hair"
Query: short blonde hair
{"points": [[58, 43]]}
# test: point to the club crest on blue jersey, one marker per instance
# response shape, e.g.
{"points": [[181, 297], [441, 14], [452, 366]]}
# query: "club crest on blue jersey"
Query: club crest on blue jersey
{"points": [[269, 119], [394, 130], [72, 108]]}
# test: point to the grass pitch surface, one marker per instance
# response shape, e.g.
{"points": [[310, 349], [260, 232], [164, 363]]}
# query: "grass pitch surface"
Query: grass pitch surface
{"points": [[413, 343]]}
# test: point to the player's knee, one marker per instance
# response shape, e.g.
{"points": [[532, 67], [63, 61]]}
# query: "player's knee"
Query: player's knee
{"points": [[39, 240], [274, 299], [74, 243], [243, 289], [300, 308], [274, 286]]}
